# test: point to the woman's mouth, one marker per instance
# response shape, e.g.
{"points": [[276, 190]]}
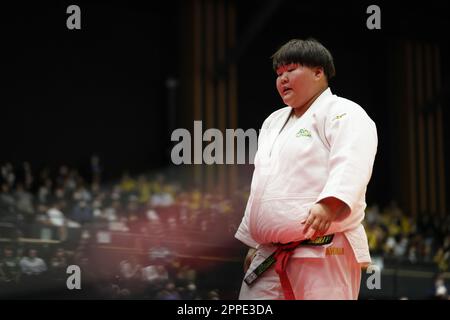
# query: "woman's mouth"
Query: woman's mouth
{"points": [[286, 91]]}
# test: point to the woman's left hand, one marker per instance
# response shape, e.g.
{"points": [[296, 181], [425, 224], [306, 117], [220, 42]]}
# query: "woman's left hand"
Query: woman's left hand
{"points": [[321, 215]]}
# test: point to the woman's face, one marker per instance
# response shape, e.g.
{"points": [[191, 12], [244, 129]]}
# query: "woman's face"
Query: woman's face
{"points": [[296, 84]]}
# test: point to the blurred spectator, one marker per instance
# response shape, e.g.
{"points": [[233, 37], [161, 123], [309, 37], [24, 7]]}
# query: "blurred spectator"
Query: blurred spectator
{"points": [[60, 195], [152, 215], [110, 213], [155, 278], [119, 225], [213, 295], [442, 259], [62, 177], [428, 251], [160, 254], [412, 254], [7, 204], [185, 275], [169, 292], [375, 235], [373, 215], [58, 265], [130, 271], [191, 292], [70, 182], [127, 184], [57, 219], [172, 230], [82, 194], [97, 208], [400, 246], [96, 168], [118, 293], [9, 268], [24, 200], [89, 274], [7, 174], [440, 291], [163, 197], [45, 192], [116, 193], [82, 213], [134, 214], [32, 265], [154, 226], [27, 178], [144, 189]]}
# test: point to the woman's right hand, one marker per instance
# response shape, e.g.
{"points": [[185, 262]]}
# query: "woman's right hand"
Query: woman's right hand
{"points": [[249, 258]]}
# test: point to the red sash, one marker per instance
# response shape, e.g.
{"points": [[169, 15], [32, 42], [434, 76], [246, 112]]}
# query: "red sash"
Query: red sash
{"points": [[282, 255]]}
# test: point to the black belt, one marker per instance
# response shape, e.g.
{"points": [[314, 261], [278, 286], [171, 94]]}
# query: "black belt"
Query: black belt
{"points": [[266, 264]]}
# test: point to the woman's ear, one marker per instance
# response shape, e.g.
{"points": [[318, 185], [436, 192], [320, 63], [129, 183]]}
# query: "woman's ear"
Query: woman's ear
{"points": [[318, 73]]}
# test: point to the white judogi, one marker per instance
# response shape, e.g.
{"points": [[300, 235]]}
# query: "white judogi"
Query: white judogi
{"points": [[328, 152]]}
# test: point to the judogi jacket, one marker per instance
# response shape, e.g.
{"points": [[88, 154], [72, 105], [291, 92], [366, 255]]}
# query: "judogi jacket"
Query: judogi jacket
{"points": [[328, 152]]}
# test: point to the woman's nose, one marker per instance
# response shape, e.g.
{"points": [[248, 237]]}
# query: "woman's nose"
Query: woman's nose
{"points": [[284, 79]]}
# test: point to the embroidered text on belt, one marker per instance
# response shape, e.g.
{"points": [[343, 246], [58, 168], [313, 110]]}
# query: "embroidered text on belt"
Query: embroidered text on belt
{"points": [[281, 257]]}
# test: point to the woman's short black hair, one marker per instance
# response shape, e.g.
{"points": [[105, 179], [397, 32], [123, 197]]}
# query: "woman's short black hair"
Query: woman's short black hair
{"points": [[309, 52]]}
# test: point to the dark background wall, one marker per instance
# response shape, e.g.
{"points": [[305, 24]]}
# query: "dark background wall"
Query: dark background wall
{"points": [[68, 94]]}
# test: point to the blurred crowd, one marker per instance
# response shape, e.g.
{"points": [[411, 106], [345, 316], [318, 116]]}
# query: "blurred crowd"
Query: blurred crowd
{"points": [[70, 209], [30, 274], [66, 200], [422, 239]]}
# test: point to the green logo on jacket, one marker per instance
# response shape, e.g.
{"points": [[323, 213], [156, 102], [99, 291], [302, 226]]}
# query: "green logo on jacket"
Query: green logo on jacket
{"points": [[303, 133], [339, 116]]}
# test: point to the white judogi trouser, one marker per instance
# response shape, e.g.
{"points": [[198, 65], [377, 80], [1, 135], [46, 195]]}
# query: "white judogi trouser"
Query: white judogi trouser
{"points": [[336, 276]]}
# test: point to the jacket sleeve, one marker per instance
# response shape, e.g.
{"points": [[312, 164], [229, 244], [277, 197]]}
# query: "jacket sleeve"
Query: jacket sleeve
{"points": [[352, 139]]}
